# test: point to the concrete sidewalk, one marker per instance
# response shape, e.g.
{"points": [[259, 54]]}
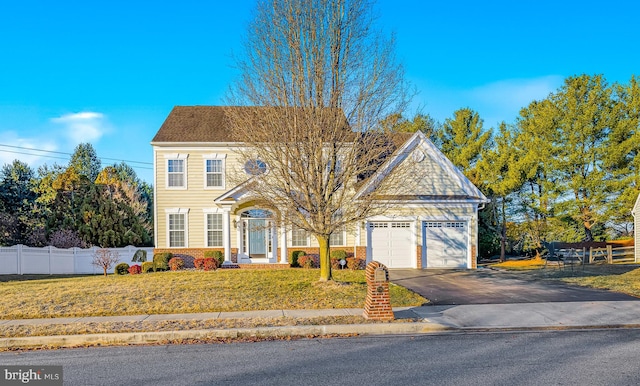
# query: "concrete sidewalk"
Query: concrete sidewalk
{"points": [[431, 319]]}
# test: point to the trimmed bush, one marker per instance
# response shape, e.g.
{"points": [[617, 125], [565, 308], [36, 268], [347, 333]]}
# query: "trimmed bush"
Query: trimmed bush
{"points": [[161, 260], [148, 266], [335, 263], [308, 261], [354, 263], [176, 264], [198, 263], [218, 255], [140, 256], [135, 269], [210, 264], [122, 269], [293, 260], [338, 254]]}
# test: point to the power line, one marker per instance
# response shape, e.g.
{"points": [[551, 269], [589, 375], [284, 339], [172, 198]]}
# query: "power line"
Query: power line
{"points": [[59, 152], [68, 154]]}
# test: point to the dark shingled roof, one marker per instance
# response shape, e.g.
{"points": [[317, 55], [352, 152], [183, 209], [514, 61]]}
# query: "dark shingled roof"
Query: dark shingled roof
{"points": [[205, 123], [195, 124]]}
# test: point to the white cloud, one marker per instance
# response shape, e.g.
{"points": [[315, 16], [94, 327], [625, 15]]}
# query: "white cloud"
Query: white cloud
{"points": [[83, 127]]}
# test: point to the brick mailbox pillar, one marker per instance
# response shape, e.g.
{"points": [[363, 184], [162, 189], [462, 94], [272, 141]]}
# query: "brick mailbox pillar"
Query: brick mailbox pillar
{"points": [[378, 303]]}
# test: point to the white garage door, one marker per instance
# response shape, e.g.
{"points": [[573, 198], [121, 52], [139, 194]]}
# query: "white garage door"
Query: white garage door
{"points": [[392, 244], [446, 244]]}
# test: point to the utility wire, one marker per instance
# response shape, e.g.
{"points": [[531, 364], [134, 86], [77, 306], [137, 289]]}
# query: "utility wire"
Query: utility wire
{"points": [[68, 154]]}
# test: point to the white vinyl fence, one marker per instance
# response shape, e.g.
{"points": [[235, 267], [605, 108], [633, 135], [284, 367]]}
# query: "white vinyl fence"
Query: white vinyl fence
{"points": [[23, 260]]}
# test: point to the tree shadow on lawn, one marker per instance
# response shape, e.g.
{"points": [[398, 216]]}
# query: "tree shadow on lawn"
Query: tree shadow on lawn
{"points": [[28, 277]]}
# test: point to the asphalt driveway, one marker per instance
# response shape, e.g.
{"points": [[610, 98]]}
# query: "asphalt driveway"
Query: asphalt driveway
{"points": [[486, 286]]}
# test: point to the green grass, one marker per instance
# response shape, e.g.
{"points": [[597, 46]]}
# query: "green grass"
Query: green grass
{"points": [[188, 292], [628, 282]]}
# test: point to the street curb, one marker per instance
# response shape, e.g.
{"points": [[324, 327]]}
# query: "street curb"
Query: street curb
{"points": [[132, 338]]}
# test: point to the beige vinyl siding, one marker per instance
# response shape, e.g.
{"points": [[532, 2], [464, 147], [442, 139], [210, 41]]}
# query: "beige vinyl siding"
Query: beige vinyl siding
{"points": [[195, 197], [428, 177]]}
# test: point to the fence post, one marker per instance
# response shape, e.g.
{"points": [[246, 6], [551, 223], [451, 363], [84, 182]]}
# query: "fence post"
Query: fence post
{"points": [[590, 255], [19, 258], [609, 254], [584, 254]]}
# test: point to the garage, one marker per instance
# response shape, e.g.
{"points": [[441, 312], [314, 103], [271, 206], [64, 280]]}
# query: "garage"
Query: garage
{"points": [[445, 243], [392, 243]]}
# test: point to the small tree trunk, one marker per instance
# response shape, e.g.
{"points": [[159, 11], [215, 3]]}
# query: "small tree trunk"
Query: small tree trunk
{"points": [[503, 234], [105, 270], [325, 262]]}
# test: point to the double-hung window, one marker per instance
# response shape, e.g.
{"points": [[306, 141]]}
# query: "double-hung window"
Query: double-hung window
{"points": [[177, 227], [214, 170], [337, 238], [176, 170], [299, 237], [214, 229]]}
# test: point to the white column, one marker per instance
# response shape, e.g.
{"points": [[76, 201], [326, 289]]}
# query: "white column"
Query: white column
{"points": [[226, 234], [283, 245]]}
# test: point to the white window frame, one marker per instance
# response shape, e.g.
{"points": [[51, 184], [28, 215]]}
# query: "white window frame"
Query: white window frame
{"points": [[207, 230], [215, 157], [177, 211], [343, 234], [306, 238], [176, 157]]}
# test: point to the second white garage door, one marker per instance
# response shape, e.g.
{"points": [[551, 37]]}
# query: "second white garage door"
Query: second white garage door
{"points": [[446, 244], [392, 243]]}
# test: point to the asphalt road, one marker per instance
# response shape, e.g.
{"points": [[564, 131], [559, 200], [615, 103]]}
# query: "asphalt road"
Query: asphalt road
{"points": [[596, 357], [451, 287]]}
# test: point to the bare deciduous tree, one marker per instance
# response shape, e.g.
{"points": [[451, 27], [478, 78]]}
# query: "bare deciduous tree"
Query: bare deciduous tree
{"points": [[105, 259], [320, 78]]}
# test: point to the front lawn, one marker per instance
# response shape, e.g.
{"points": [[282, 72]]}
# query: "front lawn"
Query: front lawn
{"points": [[628, 282], [188, 292]]}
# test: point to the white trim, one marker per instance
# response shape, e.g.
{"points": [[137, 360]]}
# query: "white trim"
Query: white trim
{"points": [[420, 141], [299, 246], [466, 219], [185, 213], [155, 198], [176, 157], [223, 166], [344, 240], [413, 220], [206, 213]]}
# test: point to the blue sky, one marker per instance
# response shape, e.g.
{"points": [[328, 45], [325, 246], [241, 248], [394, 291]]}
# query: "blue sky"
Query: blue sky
{"points": [[109, 72]]}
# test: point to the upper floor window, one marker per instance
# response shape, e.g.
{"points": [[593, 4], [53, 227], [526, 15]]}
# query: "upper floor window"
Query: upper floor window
{"points": [[176, 170], [214, 173]]}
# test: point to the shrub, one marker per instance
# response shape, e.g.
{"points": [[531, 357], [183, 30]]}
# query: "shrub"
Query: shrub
{"points": [[295, 255], [210, 264], [134, 269], [148, 266], [176, 264], [335, 263], [140, 256], [218, 255], [198, 263], [355, 263], [122, 269], [338, 254], [161, 260], [308, 261]]}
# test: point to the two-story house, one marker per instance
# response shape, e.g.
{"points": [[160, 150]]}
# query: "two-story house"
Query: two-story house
{"points": [[432, 223]]}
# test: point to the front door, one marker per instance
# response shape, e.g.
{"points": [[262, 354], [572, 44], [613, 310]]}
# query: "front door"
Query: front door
{"points": [[256, 234]]}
